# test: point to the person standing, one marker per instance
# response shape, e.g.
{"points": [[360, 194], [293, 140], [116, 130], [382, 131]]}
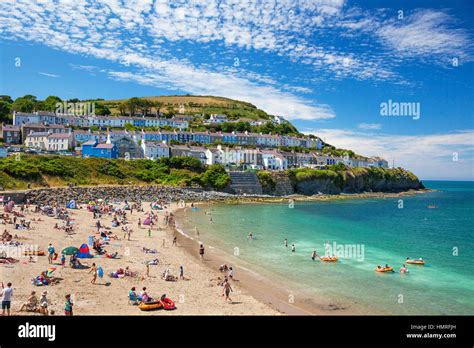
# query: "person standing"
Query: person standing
{"points": [[175, 241], [293, 248], [285, 242], [227, 290], [68, 306], [181, 272], [313, 255], [50, 253], [7, 294], [201, 251], [93, 270], [149, 232]]}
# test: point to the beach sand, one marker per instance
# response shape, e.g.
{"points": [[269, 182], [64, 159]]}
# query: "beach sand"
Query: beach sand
{"points": [[200, 295]]}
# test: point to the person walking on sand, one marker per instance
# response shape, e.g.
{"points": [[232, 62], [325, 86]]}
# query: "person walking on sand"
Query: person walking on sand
{"points": [[175, 241], [181, 272], [50, 253], [227, 290], [201, 251], [68, 306], [93, 270], [285, 242], [293, 248], [7, 294]]}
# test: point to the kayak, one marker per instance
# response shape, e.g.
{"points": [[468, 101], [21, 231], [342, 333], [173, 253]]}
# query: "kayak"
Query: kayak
{"points": [[415, 262], [385, 269], [168, 304], [149, 306], [328, 259]]}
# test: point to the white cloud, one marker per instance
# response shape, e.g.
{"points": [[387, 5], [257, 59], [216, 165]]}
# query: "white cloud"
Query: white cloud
{"points": [[369, 126], [428, 156], [426, 33], [48, 74]]}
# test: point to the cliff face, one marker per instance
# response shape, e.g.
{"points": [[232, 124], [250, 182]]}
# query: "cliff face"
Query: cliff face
{"points": [[354, 180]]}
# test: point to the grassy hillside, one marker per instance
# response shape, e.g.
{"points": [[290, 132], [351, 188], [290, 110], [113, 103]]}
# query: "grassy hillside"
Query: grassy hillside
{"points": [[198, 105], [45, 171]]}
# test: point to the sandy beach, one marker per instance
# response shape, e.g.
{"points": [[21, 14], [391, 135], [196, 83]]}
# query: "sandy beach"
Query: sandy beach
{"points": [[199, 295]]}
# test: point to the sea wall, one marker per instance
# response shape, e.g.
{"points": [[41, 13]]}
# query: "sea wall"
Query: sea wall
{"points": [[121, 193]]}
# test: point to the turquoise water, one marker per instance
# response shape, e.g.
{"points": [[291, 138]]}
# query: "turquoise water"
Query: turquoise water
{"points": [[443, 237]]}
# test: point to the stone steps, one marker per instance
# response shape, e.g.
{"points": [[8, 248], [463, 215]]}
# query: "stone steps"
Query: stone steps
{"points": [[245, 182]]}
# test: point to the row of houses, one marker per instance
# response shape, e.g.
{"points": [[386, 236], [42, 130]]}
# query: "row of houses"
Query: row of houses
{"points": [[20, 118], [206, 138], [243, 158]]}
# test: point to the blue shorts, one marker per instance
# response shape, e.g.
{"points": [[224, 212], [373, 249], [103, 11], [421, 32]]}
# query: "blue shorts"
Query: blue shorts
{"points": [[6, 304]]}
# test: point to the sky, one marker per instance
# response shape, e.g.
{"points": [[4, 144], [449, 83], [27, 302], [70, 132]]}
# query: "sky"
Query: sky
{"points": [[329, 66]]}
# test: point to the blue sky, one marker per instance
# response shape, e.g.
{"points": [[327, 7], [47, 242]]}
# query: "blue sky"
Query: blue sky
{"points": [[326, 65]]}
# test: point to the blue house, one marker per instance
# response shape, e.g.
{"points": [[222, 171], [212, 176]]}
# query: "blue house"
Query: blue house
{"points": [[92, 148]]}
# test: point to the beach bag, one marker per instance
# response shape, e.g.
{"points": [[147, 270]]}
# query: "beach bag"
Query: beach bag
{"points": [[55, 256]]}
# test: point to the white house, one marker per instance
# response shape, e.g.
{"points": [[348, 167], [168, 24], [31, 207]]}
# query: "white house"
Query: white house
{"points": [[60, 141], [154, 149], [38, 140], [273, 160]]}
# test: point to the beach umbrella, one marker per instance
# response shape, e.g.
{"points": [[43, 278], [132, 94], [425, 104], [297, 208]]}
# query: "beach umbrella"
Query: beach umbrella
{"points": [[70, 251]]}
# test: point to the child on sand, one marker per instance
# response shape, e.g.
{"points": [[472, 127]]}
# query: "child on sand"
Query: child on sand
{"points": [[68, 306], [93, 270]]}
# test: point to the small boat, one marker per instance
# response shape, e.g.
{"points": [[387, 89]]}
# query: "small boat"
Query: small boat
{"points": [[150, 306], [168, 304], [329, 259], [415, 262], [384, 269]]}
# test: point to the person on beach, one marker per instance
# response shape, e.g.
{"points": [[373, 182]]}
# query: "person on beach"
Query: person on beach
{"points": [[132, 296], [227, 290], [231, 273], [139, 223], [181, 272], [50, 253], [31, 303], [147, 270], [196, 230], [93, 270], [293, 248], [285, 243], [250, 236], [149, 232], [63, 260], [201, 251], [313, 255], [68, 306], [43, 302], [175, 241], [7, 294]]}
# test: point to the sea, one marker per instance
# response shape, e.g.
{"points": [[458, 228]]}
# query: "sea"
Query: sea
{"points": [[363, 233]]}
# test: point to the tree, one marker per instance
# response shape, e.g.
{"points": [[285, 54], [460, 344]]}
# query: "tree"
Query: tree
{"points": [[158, 105], [122, 108], [50, 103], [101, 109], [132, 105], [5, 111], [6, 98], [27, 103]]}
